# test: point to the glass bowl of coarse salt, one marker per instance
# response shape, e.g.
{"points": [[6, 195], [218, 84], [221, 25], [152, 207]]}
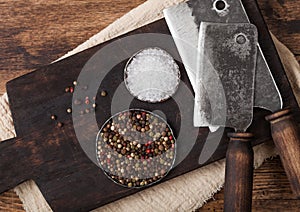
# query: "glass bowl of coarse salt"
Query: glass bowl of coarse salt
{"points": [[152, 75]]}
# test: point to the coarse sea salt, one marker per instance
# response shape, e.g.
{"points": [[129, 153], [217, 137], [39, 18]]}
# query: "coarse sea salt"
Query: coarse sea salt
{"points": [[152, 75]]}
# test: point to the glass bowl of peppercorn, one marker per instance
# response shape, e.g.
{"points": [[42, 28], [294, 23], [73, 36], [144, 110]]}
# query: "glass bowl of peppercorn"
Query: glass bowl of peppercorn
{"points": [[135, 148]]}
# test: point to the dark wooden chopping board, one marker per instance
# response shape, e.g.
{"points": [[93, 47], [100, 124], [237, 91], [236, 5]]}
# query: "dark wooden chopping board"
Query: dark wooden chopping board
{"points": [[52, 156]]}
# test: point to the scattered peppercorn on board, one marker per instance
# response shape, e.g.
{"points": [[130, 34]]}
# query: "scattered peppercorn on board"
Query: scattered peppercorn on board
{"points": [[47, 151]]}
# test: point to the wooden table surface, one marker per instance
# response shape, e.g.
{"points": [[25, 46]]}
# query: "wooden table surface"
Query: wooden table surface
{"points": [[36, 32]]}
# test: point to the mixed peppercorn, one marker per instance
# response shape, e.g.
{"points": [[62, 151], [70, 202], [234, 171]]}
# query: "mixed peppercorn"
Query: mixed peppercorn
{"points": [[135, 148]]}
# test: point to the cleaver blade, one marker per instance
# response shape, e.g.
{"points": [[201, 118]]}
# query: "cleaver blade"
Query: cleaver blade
{"points": [[184, 21], [227, 61], [225, 75]]}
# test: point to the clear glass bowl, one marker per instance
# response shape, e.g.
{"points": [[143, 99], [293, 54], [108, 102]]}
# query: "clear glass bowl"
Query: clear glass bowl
{"points": [[135, 148], [152, 75]]}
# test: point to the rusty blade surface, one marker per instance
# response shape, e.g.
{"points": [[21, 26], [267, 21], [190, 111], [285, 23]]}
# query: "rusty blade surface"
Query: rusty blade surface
{"points": [[225, 75]]}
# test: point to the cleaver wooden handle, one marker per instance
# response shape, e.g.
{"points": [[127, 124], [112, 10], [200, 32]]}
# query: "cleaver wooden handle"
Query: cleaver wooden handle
{"points": [[14, 166], [286, 136], [239, 173]]}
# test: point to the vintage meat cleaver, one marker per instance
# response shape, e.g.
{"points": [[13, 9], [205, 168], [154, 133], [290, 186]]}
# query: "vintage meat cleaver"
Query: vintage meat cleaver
{"points": [[225, 85], [184, 21]]}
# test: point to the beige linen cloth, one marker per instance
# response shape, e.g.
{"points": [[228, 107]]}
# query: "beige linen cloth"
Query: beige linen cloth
{"points": [[185, 193]]}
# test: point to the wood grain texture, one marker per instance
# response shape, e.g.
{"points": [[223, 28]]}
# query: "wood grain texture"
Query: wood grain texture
{"points": [[286, 136], [9, 201], [283, 19], [239, 173], [34, 33], [50, 38]]}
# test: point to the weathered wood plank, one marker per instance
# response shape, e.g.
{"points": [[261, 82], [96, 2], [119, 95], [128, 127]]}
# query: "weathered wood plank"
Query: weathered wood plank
{"points": [[9, 201], [283, 20], [34, 33]]}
